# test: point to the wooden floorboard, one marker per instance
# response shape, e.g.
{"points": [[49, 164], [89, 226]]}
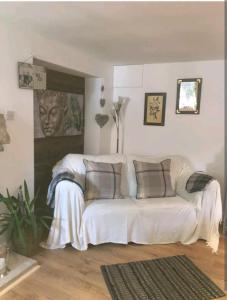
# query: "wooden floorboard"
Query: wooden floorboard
{"points": [[68, 274]]}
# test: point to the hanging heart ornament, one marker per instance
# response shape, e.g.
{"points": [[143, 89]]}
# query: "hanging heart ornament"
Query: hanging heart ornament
{"points": [[101, 120]]}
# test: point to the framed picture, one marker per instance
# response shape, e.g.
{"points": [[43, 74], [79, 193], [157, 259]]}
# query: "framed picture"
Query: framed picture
{"points": [[58, 114], [31, 76], [154, 109], [188, 96], [26, 74]]}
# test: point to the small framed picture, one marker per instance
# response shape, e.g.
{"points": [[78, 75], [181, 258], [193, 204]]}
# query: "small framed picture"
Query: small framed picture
{"points": [[26, 74], [31, 76], [154, 109], [188, 96]]}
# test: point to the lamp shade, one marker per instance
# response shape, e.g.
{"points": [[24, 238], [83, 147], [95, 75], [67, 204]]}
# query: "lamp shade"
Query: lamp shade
{"points": [[4, 136]]}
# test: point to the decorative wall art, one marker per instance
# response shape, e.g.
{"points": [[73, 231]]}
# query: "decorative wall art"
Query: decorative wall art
{"points": [[188, 96], [31, 76], [57, 114], [102, 99], [101, 120], [4, 136], [102, 102], [154, 109]]}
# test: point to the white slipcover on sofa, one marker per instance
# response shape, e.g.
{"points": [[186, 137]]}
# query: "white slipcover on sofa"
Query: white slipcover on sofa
{"points": [[184, 218]]}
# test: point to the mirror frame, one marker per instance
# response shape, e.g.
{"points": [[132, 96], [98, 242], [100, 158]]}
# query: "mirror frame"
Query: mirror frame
{"points": [[179, 81]]}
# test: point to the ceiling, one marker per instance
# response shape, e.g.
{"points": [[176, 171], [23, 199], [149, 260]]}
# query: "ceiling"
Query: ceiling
{"points": [[128, 32]]}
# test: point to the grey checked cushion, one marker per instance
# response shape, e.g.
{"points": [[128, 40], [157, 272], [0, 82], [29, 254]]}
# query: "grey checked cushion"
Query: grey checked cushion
{"points": [[103, 180], [153, 179]]}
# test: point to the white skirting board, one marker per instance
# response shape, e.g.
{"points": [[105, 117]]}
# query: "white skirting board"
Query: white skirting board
{"points": [[20, 267]]}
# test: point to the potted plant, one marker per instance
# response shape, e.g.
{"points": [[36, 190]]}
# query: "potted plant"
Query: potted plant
{"points": [[23, 228]]}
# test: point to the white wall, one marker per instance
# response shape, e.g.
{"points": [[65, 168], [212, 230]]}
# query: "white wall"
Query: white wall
{"points": [[198, 137], [17, 161]]}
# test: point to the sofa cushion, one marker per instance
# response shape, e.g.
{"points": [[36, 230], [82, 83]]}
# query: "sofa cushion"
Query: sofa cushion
{"points": [[153, 179], [178, 164], [139, 221], [103, 180]]}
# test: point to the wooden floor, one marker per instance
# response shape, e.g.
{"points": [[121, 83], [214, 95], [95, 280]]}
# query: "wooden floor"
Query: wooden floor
{"points": [[69, 274]]}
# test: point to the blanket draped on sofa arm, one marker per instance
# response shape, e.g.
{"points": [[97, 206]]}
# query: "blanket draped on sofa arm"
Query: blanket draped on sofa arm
{"points": [[197, 182], [209, 209], [73, 177], [66, 224]]}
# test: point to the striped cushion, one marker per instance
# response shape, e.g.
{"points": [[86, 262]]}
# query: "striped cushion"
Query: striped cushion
{"points": [[153, 179], [103, 180]]}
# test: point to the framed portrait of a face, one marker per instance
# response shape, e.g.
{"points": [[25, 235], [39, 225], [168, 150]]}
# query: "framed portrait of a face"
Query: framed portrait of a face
{"points": [[188, 96], [58, 114], [154, 109]]}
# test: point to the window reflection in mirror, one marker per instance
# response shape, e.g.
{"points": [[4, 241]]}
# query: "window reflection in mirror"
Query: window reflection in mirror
{"points": [[188, 96]]}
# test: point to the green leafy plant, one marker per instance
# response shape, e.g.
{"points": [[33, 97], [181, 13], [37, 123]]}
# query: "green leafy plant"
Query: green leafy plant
{"points": [[22, 226]]}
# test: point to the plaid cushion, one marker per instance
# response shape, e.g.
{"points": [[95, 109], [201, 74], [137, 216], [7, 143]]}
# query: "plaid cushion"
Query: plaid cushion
{"points": [[103, 180], [153, 179], [197, 182]]}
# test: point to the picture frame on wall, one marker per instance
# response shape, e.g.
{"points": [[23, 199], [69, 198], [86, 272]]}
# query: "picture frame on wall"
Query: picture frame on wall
{"points": [[31, 76], [58, 114], [154, 109], [25, 76], [188, 96]]}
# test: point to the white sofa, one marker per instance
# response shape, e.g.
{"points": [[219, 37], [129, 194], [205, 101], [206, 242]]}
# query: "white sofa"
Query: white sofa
{"points": [[184, 218]]}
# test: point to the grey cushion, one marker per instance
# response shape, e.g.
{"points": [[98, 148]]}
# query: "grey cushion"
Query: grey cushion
{"points": [[103, 180], [153, 179]]}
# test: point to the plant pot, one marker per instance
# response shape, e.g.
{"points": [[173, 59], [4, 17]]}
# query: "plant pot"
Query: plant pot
{"points": [[31, 247]]}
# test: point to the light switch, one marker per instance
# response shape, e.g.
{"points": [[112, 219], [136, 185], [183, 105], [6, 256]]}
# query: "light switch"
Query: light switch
{"points": [[10, 115]]}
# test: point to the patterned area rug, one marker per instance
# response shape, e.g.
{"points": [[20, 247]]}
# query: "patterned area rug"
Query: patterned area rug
{"points": [[172, 278]]}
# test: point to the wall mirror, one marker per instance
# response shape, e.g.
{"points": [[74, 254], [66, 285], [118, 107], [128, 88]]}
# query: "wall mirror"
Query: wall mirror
{"points": [[188, 96]]}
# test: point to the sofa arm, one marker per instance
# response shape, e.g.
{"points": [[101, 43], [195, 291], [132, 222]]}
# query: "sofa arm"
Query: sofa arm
{"points": [[195, 198], [66, 224], [209, 210], [210, 194]]}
